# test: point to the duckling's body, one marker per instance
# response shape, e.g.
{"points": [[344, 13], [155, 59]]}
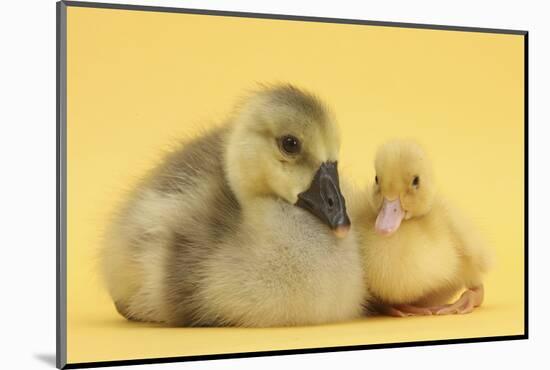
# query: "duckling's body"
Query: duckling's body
{"points": [[195, 246], [418, 265]]}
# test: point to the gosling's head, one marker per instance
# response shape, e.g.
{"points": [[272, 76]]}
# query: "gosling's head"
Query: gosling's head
{"points": [[403, 185], [285, 144]]}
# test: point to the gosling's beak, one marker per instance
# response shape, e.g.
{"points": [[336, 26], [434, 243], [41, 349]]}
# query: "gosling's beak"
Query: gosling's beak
{"points": [[325, 200], [389, 218]]}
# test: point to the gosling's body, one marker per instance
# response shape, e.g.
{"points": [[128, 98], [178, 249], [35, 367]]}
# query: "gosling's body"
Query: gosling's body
{"points": [[418, 265], [190, 250]]}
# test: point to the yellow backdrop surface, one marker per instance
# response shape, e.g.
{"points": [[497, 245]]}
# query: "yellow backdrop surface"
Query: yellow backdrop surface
{"points": [[139, 81]]}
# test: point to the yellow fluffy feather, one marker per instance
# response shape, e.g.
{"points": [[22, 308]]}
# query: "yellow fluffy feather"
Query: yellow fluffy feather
{"points": [[419, 252]]}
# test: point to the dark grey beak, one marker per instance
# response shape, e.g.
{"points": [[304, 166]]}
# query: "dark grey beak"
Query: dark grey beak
{"points": [[325, 201]]}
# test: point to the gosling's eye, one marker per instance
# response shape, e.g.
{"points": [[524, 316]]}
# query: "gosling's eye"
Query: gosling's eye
{"points": [[376, 179], [416, 181], [290, 144]]}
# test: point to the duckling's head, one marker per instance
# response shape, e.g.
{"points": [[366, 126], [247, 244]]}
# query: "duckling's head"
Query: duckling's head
{"points": [[284, 144], [403, 185]]}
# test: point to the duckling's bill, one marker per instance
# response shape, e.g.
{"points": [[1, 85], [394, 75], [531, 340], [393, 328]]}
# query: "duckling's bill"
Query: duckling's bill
{"points": [[325, 201], [390, 216]]}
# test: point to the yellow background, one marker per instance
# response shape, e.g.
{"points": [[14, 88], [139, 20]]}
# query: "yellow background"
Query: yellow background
{"points": [[139, 81]]}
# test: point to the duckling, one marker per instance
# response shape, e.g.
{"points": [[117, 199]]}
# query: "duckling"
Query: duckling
{"points": [[245, 225], [419, 252]]}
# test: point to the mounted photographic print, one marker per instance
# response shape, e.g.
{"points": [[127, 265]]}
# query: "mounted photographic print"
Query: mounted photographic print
{"points": [[236, 184]]}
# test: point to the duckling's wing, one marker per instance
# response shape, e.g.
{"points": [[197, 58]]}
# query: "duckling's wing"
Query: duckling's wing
{"points": [[470, 244]]}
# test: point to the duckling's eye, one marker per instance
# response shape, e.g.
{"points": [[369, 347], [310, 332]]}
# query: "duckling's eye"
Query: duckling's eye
{"points": [[416, 181], [290, 144], [376, 179]]}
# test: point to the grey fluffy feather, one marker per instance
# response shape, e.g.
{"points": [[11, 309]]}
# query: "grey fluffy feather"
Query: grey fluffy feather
{"points": [[182, 252]]}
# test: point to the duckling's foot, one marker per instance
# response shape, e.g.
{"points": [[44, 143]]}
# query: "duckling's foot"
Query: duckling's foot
{"points": [[403, 310], [469, 300]]}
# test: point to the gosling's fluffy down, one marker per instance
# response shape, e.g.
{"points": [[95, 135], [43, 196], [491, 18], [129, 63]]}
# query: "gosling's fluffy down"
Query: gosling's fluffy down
{"points": [[432, 255], [212, 237]]}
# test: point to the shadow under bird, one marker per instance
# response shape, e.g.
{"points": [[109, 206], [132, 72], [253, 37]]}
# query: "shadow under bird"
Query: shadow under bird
{"points": [[245, 225]]}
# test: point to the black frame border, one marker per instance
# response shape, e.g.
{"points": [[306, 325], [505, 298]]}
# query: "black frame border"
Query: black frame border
{"points": [[61, 179], [61, 186]]}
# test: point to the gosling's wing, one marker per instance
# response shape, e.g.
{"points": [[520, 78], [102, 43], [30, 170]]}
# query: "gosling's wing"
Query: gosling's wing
{"points": [[208, 214], [187, 187], [195, 162]]}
